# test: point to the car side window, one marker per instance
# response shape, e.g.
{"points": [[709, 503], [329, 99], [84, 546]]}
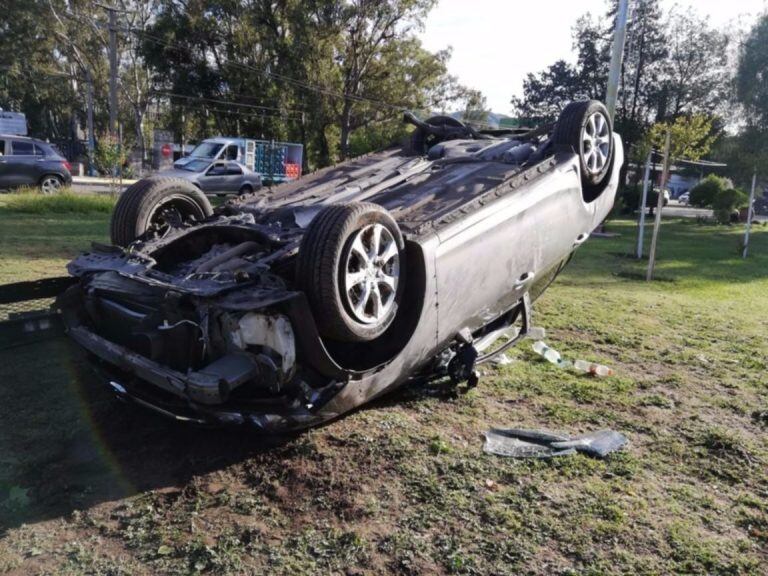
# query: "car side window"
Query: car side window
{"points": [[231, 153], [233, 169], [216, 170], [20, 148], [39, 151]]}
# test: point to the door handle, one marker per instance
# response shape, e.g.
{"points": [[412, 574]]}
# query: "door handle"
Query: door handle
{"points": [[524, 279], [580, 239]]}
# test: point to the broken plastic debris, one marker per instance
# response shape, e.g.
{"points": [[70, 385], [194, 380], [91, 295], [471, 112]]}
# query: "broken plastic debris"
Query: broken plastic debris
{"points": [[519, 443], [599, 444], [592, 368]]}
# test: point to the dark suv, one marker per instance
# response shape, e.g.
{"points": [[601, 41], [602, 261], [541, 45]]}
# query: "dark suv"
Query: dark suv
{"points": [[30, 162]]}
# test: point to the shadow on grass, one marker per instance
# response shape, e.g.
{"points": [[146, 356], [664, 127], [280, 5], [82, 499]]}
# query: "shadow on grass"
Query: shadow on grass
{"points": [[67, 444]]}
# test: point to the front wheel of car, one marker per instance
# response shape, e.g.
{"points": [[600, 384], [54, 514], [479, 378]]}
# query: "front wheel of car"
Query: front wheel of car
{"points": [[586, 129], [51, 184], [156, 205], [351, 266]]}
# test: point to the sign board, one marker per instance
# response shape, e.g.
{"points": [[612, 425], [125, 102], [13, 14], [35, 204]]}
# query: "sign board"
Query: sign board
{"points": [[14, 123], [162, 149]]}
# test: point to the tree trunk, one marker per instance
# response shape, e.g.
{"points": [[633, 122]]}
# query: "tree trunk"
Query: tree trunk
{"points": [[140, 134], [346, 120]]}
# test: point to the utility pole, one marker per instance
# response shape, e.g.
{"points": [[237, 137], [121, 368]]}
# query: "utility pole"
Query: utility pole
{"points": [[659, 206], [617, 53], [112, 68], [643, 202], [750, 213]]}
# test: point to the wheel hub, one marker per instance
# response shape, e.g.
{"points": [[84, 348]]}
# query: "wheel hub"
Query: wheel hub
{"points": [[595, 143], [371, 275]]}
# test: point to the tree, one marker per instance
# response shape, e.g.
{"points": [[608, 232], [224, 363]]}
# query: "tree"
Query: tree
{"points": [[752, 75], [545, 94], [691, 137], [696, 78], [475, 108], [645, 52]]}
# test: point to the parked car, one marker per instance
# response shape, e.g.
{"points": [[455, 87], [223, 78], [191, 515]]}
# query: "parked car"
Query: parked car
{"points": [[217, 177], [684, 198], [287, 310], [276, 162], [30, 162]]}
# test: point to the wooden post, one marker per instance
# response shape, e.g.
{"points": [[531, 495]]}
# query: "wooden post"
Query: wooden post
{"points": [[659, 206], [750, 213]]}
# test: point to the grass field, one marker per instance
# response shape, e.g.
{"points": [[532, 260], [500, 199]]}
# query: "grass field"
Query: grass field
{"points": [[89, 486]]}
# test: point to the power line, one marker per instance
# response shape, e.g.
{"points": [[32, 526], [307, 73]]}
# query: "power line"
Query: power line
{"points": [[226, 102], [229, 111]]}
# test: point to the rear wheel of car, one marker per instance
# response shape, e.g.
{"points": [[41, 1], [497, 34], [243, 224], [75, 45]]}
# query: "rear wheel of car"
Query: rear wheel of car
{"points": [[156, 205], [585, 127], [351, 266], [51, 184], [245, 189]]}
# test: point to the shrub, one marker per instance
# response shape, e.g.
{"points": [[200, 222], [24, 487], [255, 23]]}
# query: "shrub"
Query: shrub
{"points": [[630, 198], [727, 202], [704, 193]]}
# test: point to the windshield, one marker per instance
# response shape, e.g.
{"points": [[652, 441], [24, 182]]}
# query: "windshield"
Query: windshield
{"points": [[206, 150], [196, 165]]}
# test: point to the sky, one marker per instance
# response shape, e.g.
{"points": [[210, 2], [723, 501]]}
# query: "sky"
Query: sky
{"points": [[497, 42]]}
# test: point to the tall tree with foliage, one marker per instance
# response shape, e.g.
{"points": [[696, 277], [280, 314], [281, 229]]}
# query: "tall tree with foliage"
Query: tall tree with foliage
{"points": [[752, 75]]}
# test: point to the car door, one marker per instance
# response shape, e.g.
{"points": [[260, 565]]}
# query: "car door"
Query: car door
{"points": [[488, 258], [21, 164], [214, 178], [234, 178]]}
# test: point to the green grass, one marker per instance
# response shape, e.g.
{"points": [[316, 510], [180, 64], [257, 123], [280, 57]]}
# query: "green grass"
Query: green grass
{"points": [[39, 234], [62, 203], [94, 487]]}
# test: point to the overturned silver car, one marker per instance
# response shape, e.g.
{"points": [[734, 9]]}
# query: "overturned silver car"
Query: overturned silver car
{"points": [[290, 307]]}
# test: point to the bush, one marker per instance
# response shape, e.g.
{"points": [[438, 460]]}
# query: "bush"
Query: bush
{"points": [[64, 203], [727, 202], [630, 198], [704, 193]]}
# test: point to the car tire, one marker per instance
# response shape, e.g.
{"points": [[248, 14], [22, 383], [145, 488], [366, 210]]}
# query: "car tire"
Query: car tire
{"points": [[51, 184], [245, 189], [351, 266], [156, 203], [586, 129]]}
